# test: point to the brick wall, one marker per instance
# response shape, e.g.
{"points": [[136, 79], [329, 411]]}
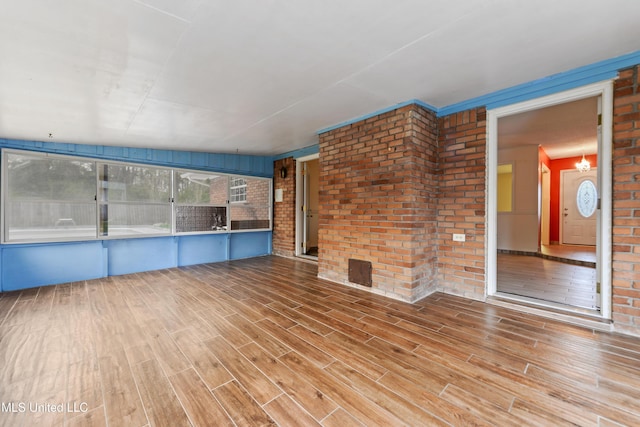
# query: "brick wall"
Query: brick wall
{"points": [[251, 214], [391, 195], [254, 211], [284, 213], [461, 203], [377, 194], [626, 202], [218, 191]]}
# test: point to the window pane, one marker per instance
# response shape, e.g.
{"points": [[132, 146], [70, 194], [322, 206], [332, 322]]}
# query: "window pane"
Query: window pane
{"points": [[587, 198], [200, 218], [35, 220], [33, 177], [134, 183], [200, 188], [134, 200], [255, 212], [132, 219], [49, 198]]}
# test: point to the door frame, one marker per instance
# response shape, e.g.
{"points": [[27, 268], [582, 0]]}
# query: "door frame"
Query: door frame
{"points": [[603, 89], [300, 216]]}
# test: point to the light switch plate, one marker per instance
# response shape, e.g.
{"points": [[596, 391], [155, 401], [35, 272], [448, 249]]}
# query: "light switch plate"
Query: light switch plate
{"points": [[459, 237]]}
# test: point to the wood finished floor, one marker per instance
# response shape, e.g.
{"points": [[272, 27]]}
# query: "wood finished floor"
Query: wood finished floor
{"points": [[264, 342], [580, 253], [547, 280]]}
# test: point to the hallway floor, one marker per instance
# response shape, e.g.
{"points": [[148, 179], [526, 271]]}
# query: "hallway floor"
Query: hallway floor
{"points": [[573, 252], [547, 280]]}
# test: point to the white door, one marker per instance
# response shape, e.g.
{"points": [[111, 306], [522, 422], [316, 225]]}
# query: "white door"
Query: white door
{"points": [[579, 207]]}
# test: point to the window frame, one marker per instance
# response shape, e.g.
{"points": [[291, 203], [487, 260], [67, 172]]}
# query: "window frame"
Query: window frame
{"points": [[97, 162], [246, 203], [4, 188]]}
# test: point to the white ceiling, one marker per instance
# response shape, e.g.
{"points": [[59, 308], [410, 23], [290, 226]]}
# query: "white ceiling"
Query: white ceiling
{"points": [[564, 130], [262, 76]]}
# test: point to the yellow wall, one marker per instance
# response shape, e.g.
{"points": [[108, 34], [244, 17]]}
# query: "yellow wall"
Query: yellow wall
{"points": [[505, 190]]}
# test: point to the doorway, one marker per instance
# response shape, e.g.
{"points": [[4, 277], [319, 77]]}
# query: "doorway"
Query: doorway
{"points": [[516, 240], [307, 206], [579, 196]]}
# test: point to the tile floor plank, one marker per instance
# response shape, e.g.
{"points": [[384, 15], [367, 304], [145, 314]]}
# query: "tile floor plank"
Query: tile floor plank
{"points": [[160, 403], [199, 403], [122, 401], [241, 407], [203, 361], [356, 404], [403, 408], [286, 412], [261, 388], [307, 396], [315, 354]]}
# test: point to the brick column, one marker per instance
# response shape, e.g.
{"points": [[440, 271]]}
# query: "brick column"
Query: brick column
{"points": [[626, 202], [377, 201], [461, 203]]}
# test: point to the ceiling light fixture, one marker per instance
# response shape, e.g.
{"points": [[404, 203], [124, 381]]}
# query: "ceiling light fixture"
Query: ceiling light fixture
{"points": [[583, 165]]}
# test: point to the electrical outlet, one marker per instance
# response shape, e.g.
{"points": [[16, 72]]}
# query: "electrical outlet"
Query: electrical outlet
{"points": [[459, 237]]}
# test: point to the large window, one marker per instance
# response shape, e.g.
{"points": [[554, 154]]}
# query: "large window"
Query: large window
{"points": [[61, 198], [48, 198]]}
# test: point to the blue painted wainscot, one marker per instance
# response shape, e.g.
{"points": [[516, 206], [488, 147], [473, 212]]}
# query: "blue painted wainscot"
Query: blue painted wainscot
{"points": [[30, 265]]}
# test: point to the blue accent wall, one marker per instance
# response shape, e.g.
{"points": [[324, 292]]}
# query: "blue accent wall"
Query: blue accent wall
{"points": [[245, 245], [201, 249], [33, 265], [135, 255], [29, 266], [261, 166]]}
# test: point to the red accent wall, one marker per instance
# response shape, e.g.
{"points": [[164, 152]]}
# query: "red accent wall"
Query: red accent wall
{"points": [[556, 166], [542, 155]]}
